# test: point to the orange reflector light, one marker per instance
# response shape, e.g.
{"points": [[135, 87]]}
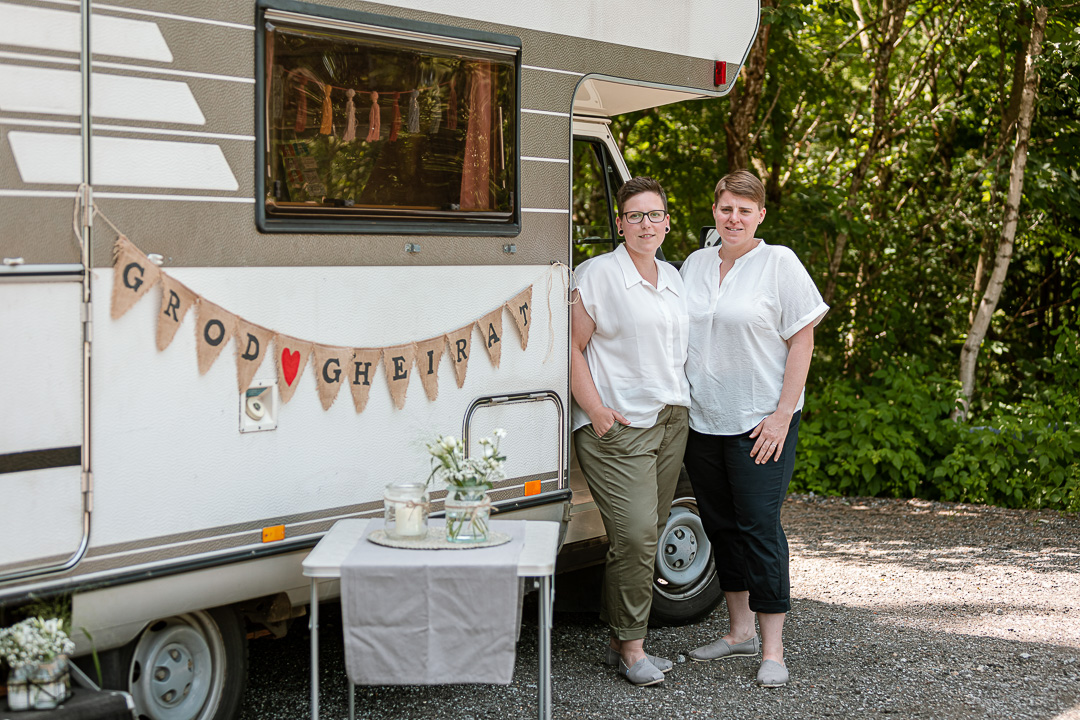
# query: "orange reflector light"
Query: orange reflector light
{"points": [[532, 487], [276, 532], [720, 73]]}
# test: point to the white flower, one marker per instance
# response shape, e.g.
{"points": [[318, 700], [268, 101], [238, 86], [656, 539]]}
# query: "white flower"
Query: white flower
{"points": [[499, 433]]}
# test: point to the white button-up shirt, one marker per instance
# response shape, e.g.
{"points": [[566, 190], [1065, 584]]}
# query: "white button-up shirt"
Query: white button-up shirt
{"points": [[637, 353], [739, 331]]}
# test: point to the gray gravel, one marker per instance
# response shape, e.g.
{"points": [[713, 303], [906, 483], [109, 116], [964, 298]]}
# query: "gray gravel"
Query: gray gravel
{"points": [[905, 608]]}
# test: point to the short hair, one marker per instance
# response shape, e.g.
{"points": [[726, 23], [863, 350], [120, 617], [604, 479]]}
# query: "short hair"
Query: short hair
{"points": [[638, 185], [741, 183]]}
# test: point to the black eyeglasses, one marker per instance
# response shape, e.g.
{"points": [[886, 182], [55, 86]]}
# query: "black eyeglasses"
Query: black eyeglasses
{"points": [[635, 216]]}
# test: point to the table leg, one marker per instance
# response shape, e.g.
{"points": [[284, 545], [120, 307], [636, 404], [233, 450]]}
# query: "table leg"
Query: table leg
{"points": [[313, 624], [352, 699], [546, 605]]}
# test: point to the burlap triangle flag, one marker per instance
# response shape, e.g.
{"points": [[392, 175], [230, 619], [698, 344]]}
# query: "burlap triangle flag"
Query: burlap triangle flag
{"points": [[428, 355], [213, 328], [176, 300], [398, 362], [133, 276], [331, 365], [252, 347], [361, 373], [459, 342], [490, 327], [292, 356], [520, 307]]}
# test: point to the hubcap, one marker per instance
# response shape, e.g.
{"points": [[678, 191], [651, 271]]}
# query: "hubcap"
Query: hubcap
{"points": [[682, 555], [177, 669]]}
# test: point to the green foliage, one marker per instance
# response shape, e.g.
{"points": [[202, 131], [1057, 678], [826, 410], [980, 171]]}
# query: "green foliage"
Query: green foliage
{"points": [[878, 437], [892, 436]]}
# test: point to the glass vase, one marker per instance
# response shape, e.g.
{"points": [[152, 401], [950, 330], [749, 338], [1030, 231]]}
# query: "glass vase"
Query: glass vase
{"points": [[406, 507], [39, 686], [468, 511]]}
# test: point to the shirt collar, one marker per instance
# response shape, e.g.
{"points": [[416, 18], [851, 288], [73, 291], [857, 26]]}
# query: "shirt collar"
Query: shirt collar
{"points": [[632, 277]]}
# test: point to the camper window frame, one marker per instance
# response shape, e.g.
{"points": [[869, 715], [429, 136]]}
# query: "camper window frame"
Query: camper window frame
{"points": [[462, 39]]}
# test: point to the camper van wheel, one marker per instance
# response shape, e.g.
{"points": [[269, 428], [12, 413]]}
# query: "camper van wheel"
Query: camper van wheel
{"points": [[685, 586], [187, 667]]}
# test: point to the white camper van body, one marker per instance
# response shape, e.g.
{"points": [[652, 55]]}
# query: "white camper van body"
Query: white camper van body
{"points": [[137, 485]]}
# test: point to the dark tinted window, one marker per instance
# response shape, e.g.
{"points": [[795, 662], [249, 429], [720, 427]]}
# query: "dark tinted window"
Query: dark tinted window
{"points": [[390, 127]]}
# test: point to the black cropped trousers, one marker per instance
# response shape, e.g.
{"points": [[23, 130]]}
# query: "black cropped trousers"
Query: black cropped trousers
{"points": [[739, 502]]}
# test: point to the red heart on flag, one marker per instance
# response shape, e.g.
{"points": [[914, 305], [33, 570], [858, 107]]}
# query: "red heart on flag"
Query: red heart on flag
{"points": [[290, 363]]}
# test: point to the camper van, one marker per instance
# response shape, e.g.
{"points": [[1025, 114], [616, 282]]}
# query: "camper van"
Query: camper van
{"points": [[256, 255]]}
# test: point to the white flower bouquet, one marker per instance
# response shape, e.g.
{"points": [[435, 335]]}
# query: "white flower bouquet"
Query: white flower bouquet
{"points": [[35, 640], [472, 474]]}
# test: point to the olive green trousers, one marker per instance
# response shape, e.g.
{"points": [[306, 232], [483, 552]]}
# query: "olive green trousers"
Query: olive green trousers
{"points": [[632, 473]]}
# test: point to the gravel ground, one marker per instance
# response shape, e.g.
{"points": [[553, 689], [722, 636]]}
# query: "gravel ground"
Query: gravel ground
{"points": [[907, 608]]}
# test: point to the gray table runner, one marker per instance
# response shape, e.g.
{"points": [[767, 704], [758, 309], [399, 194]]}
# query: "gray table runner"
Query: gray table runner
{"points": [[431, 617]]}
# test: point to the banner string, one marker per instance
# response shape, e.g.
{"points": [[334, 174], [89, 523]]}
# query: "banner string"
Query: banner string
{"points": [[566, 274]]}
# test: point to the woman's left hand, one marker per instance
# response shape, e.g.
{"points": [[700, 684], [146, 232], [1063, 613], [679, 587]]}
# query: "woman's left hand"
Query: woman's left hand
{"points": [[770, 434]]}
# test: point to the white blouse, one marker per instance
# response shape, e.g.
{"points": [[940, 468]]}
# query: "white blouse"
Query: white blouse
{"points": [[739, 332], [637, 353]]}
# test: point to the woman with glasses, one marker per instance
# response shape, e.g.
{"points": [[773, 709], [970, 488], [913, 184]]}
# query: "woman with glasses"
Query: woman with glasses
{"points": [[753, 308], [629, 416]]}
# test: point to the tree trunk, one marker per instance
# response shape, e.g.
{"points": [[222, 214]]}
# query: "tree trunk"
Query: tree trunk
{"points": [[745, 98], [894, 12], [969, 355]]}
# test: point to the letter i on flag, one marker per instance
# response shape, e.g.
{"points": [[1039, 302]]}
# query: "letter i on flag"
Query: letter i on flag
{"points": [[428, 355]]}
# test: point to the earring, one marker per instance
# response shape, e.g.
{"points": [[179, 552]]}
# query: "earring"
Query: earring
{"points": [[620, 231], [667, 229]]}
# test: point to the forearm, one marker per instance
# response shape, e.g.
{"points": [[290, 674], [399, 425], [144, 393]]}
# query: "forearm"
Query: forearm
{"points": [[581, 383], [796, 369]]}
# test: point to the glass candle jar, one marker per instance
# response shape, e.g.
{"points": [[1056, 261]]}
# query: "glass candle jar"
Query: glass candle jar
{"points": [[406, 505]]}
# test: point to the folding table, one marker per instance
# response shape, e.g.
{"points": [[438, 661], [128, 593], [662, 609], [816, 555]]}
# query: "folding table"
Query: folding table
{"points": [[537, 561]]}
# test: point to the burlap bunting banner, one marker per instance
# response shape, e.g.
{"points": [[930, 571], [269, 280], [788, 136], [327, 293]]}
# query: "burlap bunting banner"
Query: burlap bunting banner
{"points": [[214, 327], [252, 347], [490, 327], [176, 300], [428, 355], [292, 356], [398, 362], [133, 276], [331, 367], [520, 308], [459, 343], [364, 363]]}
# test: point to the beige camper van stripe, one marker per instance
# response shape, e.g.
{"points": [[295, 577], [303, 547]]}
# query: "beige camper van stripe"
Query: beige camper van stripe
{"points": [[134, 275]]}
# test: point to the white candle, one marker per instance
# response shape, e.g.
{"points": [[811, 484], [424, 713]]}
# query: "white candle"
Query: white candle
{"points": [[406, 509], [409, 519]]}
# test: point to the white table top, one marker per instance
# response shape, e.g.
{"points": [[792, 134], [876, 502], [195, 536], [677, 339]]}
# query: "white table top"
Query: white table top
{"points": [[537, 557]]}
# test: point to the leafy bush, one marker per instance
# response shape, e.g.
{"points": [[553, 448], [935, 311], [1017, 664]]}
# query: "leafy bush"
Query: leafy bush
{"points": [[892, 436], [880, 437]]}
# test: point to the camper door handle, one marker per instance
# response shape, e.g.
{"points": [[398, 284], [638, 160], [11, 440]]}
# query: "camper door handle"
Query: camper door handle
{"points": [[10, 262]]}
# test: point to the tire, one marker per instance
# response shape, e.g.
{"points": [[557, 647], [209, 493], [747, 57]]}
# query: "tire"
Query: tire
{"points": [[185, 667], [685, 586]]}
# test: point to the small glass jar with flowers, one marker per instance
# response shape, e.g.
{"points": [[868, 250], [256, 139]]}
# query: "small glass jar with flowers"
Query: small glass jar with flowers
{"points": [[468, 480], [36, 652]]}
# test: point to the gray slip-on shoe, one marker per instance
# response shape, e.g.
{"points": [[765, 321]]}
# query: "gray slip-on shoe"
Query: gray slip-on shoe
{"points": [[643, 673], [722, 649], [772, 674], [662, 664]]}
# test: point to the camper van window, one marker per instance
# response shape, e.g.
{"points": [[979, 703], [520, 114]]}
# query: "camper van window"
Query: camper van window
{"points": [[595, 183], [366, 129]]}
